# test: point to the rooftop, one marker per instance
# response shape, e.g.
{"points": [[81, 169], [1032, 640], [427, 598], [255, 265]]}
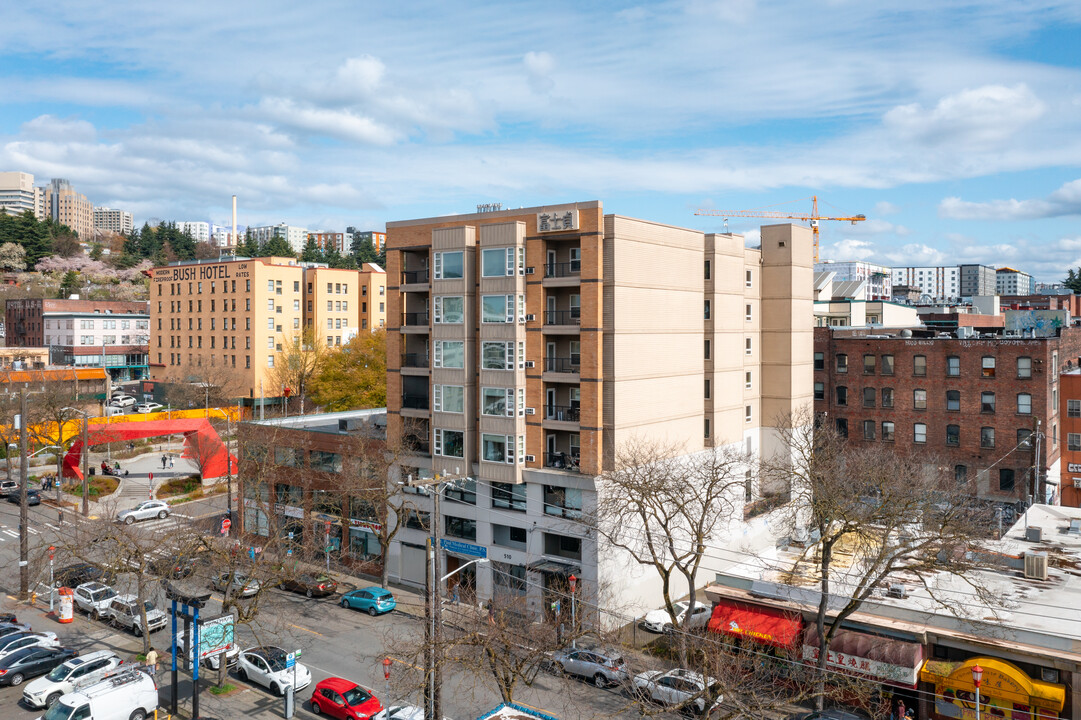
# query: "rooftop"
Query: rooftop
{"points": [[372, 422]]}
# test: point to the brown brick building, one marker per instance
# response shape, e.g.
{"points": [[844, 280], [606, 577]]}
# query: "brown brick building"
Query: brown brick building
{"points": [[972, 403]]}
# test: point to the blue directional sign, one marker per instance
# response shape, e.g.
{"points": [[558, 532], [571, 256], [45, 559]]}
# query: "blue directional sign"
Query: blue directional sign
{"points": [[461, 548]]}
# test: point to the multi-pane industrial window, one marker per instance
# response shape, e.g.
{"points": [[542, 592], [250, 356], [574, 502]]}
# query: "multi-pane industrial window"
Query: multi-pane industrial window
{"points": [[987, 437], [953, 434], [887, 432], [842, 363], [868, 364], [1073, 441], [887, 364], [842, 395], [953, 400], [987, 402], [919, 433], [919, 399], [1024, 367], [869, 395], [919, 365], [887, 397], [987, 366], [448, 398], [868, 429], [449, 354], [953, 366], [1024, 404]]}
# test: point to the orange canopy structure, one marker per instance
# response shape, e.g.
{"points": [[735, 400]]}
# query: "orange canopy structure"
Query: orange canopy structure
{"points": [[201, 443]]}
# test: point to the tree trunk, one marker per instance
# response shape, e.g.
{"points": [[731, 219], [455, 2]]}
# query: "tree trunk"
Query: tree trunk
{"points": [[820, 629]]}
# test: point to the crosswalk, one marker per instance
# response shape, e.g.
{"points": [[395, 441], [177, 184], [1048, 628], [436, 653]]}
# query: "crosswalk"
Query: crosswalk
{"points": [[7, 533]]}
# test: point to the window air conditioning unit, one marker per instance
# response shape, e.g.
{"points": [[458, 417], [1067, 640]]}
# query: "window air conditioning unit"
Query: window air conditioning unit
{"points": [[530, 318], [1034, 534], [531, 411], [897, 590], [530, 458], [529, 271], [529, 363], [1036, 565]]}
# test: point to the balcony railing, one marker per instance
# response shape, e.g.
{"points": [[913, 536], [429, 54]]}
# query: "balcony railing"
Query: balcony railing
{"points": [[563, 317], [410, 277], [562, 365], [562, 413], [415, 402], [567, 269], [417, 444], [415, 319], [562, 461], [414, 360]]}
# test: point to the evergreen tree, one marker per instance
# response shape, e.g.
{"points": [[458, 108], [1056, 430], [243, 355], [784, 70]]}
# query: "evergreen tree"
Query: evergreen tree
{"points": [[311, 252], [1073, 280], [70, 284], [249, 247], [277, 246], [332, 257], [363, 250], [34, 236]]}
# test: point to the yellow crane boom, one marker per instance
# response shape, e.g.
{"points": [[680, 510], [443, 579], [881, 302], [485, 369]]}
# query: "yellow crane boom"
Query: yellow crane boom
{"points": [[813, 217]]}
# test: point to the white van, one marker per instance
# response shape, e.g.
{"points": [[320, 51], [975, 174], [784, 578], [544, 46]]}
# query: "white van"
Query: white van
{"points": [[112, 410], [79, 671], [127, 695]]}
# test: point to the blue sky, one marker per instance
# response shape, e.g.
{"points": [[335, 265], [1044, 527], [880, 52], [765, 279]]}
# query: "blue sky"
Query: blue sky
{"points": [[954, 126]]}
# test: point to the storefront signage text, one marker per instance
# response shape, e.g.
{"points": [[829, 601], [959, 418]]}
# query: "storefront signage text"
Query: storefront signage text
{"points": [[556, 221], [462, 548], [863, 666], [193, 272]]}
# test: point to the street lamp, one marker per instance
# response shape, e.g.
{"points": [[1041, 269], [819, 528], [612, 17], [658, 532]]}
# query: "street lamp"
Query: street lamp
{"points": [[458, 569], [574, 621], [977, 675], [387, 662]]}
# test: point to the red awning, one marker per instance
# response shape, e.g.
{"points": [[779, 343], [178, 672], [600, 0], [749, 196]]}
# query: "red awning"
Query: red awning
{"points": [[762, 624]]}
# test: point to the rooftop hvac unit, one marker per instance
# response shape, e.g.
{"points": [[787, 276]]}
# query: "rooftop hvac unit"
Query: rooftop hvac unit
{"points": [[1034, 534], [897, 590], [530, 411], [530, 458], [965, 331], [530, 318], [1036, 565]]}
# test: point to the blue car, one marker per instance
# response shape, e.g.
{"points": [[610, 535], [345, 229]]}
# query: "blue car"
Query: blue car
{"points": [[373, 600]]}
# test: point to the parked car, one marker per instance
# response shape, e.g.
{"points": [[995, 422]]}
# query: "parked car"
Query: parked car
{"points": [[340, 698], [833, 714], [33, 496], [211, 661], [126, 695], [112, 410], [310, 585], [93, 598], [18, 641], [13, 628], [372, 600], [145, 510], [678, 687], [402, 712], [81, 670], [660, 621], [8, 486], [30, 662], [124, 612], [173, 566], [237, 584], [266, 666], [605, 666], [122, 401], [78, 573], [148, 407]]}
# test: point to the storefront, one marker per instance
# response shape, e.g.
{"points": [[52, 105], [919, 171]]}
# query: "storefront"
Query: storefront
{"points": [[1006, 691], [364, 539], [766, 625]]}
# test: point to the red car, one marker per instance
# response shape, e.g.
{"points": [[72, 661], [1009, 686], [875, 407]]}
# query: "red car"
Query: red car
{"points": [[340, 698]]}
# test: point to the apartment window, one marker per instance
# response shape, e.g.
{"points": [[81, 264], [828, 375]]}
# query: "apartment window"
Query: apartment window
{"points": [[296, 285], [563, 546], [919, 433], [953, 366], [868, 364], [1005, 479], [747, 346], [842, 395], [953, 435], [418, 520], [707, 310], [270, 305], [511, 537], [562, 502], [887, 364], [987, 365], [269, 286], [497, 402], [707, 349], [842, 427], [707, 389], [448, 398], [869, 395], [460, 528], [493, 447], [919, 399], [887, 397], [1073, 441], [747, 380], [296, 306], [841, 363], [747, 279], [1024, 367], [987, 437], [463, 491], [707, 270], [449, 443], [1073, 408], [746, 413], [987, 402], [868, 429], [509, 496], [953, 400], [1024, 404], [747, 314], [497, 308], [919, 365], [449, 354], [497, 355], [705, 428], [497, 262], [820, 362], [448, 265], [887, 432], [247, 286], [820, 391]]}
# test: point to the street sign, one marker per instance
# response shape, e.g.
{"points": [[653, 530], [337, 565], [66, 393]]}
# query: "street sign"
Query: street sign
{"points": [[326, 526], [290, 660], [226, 523], [215, 635], [463, 548]]}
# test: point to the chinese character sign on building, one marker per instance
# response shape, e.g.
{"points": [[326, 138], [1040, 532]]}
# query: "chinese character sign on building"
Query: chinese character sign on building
{"points": [[557, 221]]}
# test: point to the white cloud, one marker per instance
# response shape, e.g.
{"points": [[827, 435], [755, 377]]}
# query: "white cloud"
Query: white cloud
{"points": [[343, 124], [539, 67], [49, 127], [360, 76], [978, 117], [1064, 201]]}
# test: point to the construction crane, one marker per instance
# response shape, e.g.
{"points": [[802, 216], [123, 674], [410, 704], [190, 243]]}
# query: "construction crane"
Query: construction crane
{"points": [[813, 217]]}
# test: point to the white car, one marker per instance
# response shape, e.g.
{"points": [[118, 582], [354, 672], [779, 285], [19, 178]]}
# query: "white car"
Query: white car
{"points": [[144, 511], [660, 621], [402, 712], [18, 641], [148, 407], [82, 670], [122, 401], [124, 695], [124, 612], [266, 666], [678, 687], [93, 598], [211, 661], [236, 584]]}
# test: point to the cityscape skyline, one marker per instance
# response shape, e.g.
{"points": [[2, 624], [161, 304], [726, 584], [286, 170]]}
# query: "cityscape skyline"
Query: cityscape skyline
{"points": [[956, 150]]}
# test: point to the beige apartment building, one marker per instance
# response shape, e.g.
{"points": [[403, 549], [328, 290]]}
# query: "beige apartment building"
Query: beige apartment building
{"points": [[70, 208], [228, 322], [527, 347], [373, 297]]}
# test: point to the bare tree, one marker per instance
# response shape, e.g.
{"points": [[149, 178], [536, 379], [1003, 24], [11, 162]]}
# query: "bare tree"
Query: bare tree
{"points": [[300, 359], [888, 512]]}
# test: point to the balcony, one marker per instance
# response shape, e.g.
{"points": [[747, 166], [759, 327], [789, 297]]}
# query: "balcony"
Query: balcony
{"points": [[414, 360], [570, 364], [417, 444], [563, 317], [415, 322], [560, 270], [562, 461], [562, 413], [415, 277], [414, 402]]}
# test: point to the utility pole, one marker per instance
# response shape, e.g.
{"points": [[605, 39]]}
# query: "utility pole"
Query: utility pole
{"points": [[24, 549], [433, 607], [86, 465]]}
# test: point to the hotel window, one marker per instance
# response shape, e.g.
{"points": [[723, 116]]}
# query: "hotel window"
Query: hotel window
{"points": [[987, 402], [987, 366], [887, 432], [869, 396], [1073, 408], [919, 399], [820, 361], [1024, 404], [887, 364], [987, 437], [953, 435], [448, 265], [1024, 367], [1073, 442], [919, 433], [842, 395], [841, 363], [820, 391], [953, 366], [868, 429], [868, 364], [953, 400]]}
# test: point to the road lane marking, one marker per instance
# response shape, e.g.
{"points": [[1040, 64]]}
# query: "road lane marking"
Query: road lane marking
{"points": [[313, 632]]}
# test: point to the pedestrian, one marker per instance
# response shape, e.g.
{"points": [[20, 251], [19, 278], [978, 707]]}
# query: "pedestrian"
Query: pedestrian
{"points": [[454, 594], [491, 613], [171, 459], [900, 710], [164, 462], [60, 517], [152, 662]]}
